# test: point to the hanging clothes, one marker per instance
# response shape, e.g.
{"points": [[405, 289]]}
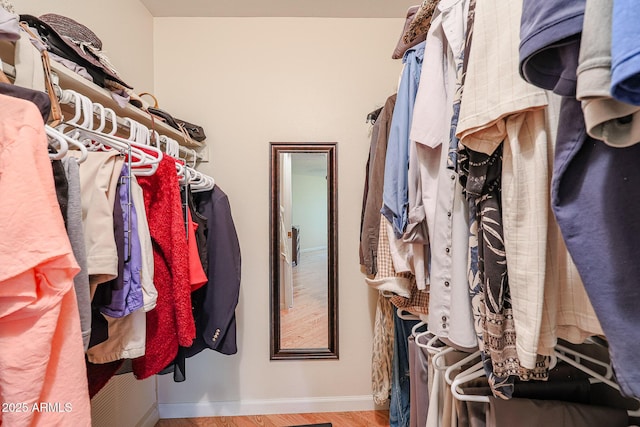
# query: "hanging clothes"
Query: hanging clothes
{"points": [[445, 210], [493, 111], [592, 182], [126, 320], [625, 60], [171, 323], [381, 359], [197, 277], [371, 216], [76, 238], [394, 196], [614, 122], [399, 409], [149, 291], [99, 176], [127, 298], [40, 332], [98, 184], [215, 303]]}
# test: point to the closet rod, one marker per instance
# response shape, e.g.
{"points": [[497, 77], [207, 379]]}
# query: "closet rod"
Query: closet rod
{"points": [[189, 153]]}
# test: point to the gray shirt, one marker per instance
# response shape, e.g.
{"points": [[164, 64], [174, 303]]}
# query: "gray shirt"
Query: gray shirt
{"points": [[76, 238]]}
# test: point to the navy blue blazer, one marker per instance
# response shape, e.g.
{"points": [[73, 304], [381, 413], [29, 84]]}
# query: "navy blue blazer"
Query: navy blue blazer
{"points": [[215, 303]]}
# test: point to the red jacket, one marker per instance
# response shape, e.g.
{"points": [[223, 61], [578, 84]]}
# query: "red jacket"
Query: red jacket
{"points": [[171, 322]]}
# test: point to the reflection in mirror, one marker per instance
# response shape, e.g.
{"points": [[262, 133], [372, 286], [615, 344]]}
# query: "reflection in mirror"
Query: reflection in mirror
{"points": [[303, 251]]}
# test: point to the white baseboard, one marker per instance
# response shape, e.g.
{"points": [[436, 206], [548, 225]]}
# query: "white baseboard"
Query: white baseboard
{"points": [[267, 406], [151, 418]]}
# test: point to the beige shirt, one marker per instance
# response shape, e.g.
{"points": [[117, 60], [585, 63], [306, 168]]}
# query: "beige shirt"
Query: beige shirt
{"points": [[498, 105], [567, 311], [99, 175]]}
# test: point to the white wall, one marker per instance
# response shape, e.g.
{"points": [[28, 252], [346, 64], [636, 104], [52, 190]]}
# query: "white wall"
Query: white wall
{"points": [[125, 28], [250, 81], [310, 209]]}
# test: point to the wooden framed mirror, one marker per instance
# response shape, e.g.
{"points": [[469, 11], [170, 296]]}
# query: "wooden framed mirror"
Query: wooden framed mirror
{"points": [[303, 251]]}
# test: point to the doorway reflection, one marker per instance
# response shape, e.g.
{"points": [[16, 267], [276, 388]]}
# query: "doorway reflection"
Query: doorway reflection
{"points": [[304, 308]]}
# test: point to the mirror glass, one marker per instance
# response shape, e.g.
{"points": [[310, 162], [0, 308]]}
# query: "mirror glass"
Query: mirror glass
{"points": [[303, 251]]}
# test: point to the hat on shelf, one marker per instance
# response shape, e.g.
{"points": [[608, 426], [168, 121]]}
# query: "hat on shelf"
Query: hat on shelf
{"points": [[74, 41]]}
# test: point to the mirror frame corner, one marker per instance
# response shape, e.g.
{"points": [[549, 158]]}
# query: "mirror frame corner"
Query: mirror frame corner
{"points": [[276, 350]]}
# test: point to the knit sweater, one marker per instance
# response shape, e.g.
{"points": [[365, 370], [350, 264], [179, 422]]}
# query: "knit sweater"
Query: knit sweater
{"points": [[171, 323]]}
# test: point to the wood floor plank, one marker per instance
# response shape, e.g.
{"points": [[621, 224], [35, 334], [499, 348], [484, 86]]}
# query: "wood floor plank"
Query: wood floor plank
{"points": [[306, 324], [338, 419]]}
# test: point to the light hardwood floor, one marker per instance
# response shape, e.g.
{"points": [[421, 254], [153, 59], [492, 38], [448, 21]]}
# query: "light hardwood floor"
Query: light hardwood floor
{"points": [[305, 325], [337, 419]]}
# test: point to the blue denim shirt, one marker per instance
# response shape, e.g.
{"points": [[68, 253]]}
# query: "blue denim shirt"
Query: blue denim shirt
{"points": [[395, 196]]}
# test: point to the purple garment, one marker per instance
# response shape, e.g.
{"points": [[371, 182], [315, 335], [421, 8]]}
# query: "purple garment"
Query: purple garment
{"points": [[129, 298]]}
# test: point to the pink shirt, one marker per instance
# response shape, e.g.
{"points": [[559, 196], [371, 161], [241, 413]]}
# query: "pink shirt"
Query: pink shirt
{"points": [[43, 380]]}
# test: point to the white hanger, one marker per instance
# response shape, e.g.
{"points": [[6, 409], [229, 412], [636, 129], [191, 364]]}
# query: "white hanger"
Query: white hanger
{"points": [[99, 110], [67, 96], [430, 344], [87, 112], [113, 121], [437, 353], [93, 138], [199, 181], [55, 133], [62, 147], [139, 157], [171, 148], [417, 326], [146, 164], [205, 182], [457, 365], [559, 353], [405, 315], [476, 371], [83, 116], [579, 356]]}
